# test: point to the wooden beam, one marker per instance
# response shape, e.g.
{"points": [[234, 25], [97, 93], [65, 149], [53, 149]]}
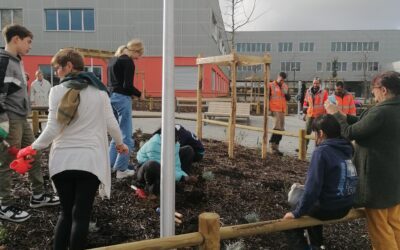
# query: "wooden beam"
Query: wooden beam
{"points": [[219, 60], [232, 118], [264, 146], [105, 54], [252, 229], [171, 242], [247, 60]]}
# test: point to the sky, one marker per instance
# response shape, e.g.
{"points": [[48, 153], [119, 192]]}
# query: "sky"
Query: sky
{"points": [[280, 15]]}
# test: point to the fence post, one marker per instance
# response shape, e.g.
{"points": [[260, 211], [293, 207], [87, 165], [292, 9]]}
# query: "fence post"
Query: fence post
{"points": [[35, 122], [302, 144], [151, 104], [209, 226], [258, 108]]}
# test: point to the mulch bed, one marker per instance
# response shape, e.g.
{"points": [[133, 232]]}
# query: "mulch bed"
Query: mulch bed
{"points": [[240, 190]]}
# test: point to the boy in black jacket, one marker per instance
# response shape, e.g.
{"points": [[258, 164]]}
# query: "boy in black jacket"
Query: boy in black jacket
{"points": [[330, 185]]}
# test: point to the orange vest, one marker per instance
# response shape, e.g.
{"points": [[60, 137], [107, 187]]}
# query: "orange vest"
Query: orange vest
{"points": [[346, 104], [315, 103], [277, 101]]}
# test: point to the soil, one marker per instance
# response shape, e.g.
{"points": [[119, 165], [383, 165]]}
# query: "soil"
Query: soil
{"points": [[242, 190]]}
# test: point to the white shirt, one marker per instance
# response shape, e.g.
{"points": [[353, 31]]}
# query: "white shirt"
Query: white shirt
{"points": [[40, 92], [83, 144]]}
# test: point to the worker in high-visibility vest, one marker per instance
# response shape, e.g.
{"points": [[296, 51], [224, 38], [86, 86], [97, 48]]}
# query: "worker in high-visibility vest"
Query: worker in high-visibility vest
{"points": [[278, 95], [313, 106], [344, 100]]}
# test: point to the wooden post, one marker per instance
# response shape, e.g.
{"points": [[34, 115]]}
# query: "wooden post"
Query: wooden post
{"points": [[266, 107], [199, 125], [143, 88], [251, 92], [35, 122], [232, 118], [209, 227], [151, 104], [258, 108], [245, 92], [302, 144]]}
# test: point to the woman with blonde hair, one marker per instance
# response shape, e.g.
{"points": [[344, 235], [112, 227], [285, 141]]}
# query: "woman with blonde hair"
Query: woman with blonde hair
{"points": [[121, 71]]}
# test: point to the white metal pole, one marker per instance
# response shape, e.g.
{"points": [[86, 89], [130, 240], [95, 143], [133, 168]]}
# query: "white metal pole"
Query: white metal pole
{"points": [[167, 200]]}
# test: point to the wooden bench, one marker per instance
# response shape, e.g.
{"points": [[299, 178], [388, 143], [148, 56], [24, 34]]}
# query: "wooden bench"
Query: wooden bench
{"points": [[223, 109], [192, 102]]}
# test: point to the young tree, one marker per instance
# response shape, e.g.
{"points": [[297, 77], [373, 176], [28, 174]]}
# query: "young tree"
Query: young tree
{"points": [[238, 17]]}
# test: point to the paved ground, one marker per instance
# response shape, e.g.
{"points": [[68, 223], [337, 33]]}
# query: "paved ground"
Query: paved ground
{"points": [[244, 137]]}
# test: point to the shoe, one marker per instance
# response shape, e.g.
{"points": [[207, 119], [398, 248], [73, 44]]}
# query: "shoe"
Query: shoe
{"points": [[13, 214], [44, 200], [124, 174]]}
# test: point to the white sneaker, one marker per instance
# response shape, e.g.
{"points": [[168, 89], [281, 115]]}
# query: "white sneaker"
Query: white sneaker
{"points": [[14, 214], [124, 174]]}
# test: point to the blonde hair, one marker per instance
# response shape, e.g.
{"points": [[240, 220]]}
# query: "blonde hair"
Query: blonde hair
{"points": [[38, 72], [120, 50], [135, 45]]}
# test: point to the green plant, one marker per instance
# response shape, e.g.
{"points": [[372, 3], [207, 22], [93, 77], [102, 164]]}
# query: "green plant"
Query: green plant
{"points": [[208, 176], [238, 245], [252, 217], [3, 235]]}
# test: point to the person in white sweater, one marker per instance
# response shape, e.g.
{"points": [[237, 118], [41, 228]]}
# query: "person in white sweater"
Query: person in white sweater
{"points": [[80, 115]]}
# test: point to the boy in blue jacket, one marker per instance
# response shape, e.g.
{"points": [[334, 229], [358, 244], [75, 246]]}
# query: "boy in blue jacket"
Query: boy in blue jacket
{"points": [[330, 184]]}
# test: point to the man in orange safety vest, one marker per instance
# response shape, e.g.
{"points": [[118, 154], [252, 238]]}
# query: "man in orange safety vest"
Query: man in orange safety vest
{"points": [[278, 95], [344, 100], [313, 106]]}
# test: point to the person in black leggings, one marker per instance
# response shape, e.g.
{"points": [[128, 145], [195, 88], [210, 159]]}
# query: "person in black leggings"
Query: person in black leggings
{"points": [[77, 190]]}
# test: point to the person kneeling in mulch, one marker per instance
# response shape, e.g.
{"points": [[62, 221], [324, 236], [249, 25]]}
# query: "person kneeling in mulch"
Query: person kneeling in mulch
{"points": [[330, 185], [149, 170]]}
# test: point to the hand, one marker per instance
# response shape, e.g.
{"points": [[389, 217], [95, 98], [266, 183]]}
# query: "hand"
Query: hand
{"points": [[289, 216], [331, 108], [191, 179], [122, 149], [27, 153]]}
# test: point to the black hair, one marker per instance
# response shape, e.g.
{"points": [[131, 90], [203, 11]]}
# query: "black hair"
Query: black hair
{"points": [[158, 131], [328, 124], [282, 74], [9, 31], [389, 80], [339, 83]]}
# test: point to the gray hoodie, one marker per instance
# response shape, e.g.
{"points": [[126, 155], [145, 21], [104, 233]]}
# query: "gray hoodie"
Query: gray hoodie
{"points": [[14, 98]]}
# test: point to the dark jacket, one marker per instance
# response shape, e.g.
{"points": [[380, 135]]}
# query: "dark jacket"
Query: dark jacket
{"points": [[121, 71], [331, 178], [14, 98], [377, 153], [186, 137]]}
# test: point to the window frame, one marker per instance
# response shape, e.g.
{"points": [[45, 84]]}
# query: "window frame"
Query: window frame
{"points": [[69, 20]]}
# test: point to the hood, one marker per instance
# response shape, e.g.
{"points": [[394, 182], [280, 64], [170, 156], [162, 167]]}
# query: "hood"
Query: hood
{"points": [[393, 101], [3, 52], [339, 144]]}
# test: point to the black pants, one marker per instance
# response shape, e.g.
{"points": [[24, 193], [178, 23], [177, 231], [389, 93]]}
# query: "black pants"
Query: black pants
{"points": [[76, 190], [187, 157], [148, 175], [296, 237]]}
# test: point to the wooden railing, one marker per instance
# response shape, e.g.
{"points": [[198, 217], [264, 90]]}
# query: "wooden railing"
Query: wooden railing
{"points": [[36, 118], [210, 233]]}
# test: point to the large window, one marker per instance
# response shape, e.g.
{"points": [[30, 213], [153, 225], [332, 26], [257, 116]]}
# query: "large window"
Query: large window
{"points": [[69, 19], [340, 66], [364, 66], [306, 47], [49, 74], [354, 46], [319, 66], [290, 66], [10, 16], [253, 47], [285, 47]]}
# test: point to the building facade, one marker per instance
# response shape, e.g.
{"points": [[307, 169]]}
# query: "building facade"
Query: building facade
{"points": [[105, 25], [356, 54]]}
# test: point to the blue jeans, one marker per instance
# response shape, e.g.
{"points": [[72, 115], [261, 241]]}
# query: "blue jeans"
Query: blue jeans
{"points": [[122, 107]]}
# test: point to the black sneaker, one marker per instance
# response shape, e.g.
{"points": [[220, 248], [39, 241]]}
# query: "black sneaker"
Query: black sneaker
{"points": [[44, 200], [14, 214]]}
